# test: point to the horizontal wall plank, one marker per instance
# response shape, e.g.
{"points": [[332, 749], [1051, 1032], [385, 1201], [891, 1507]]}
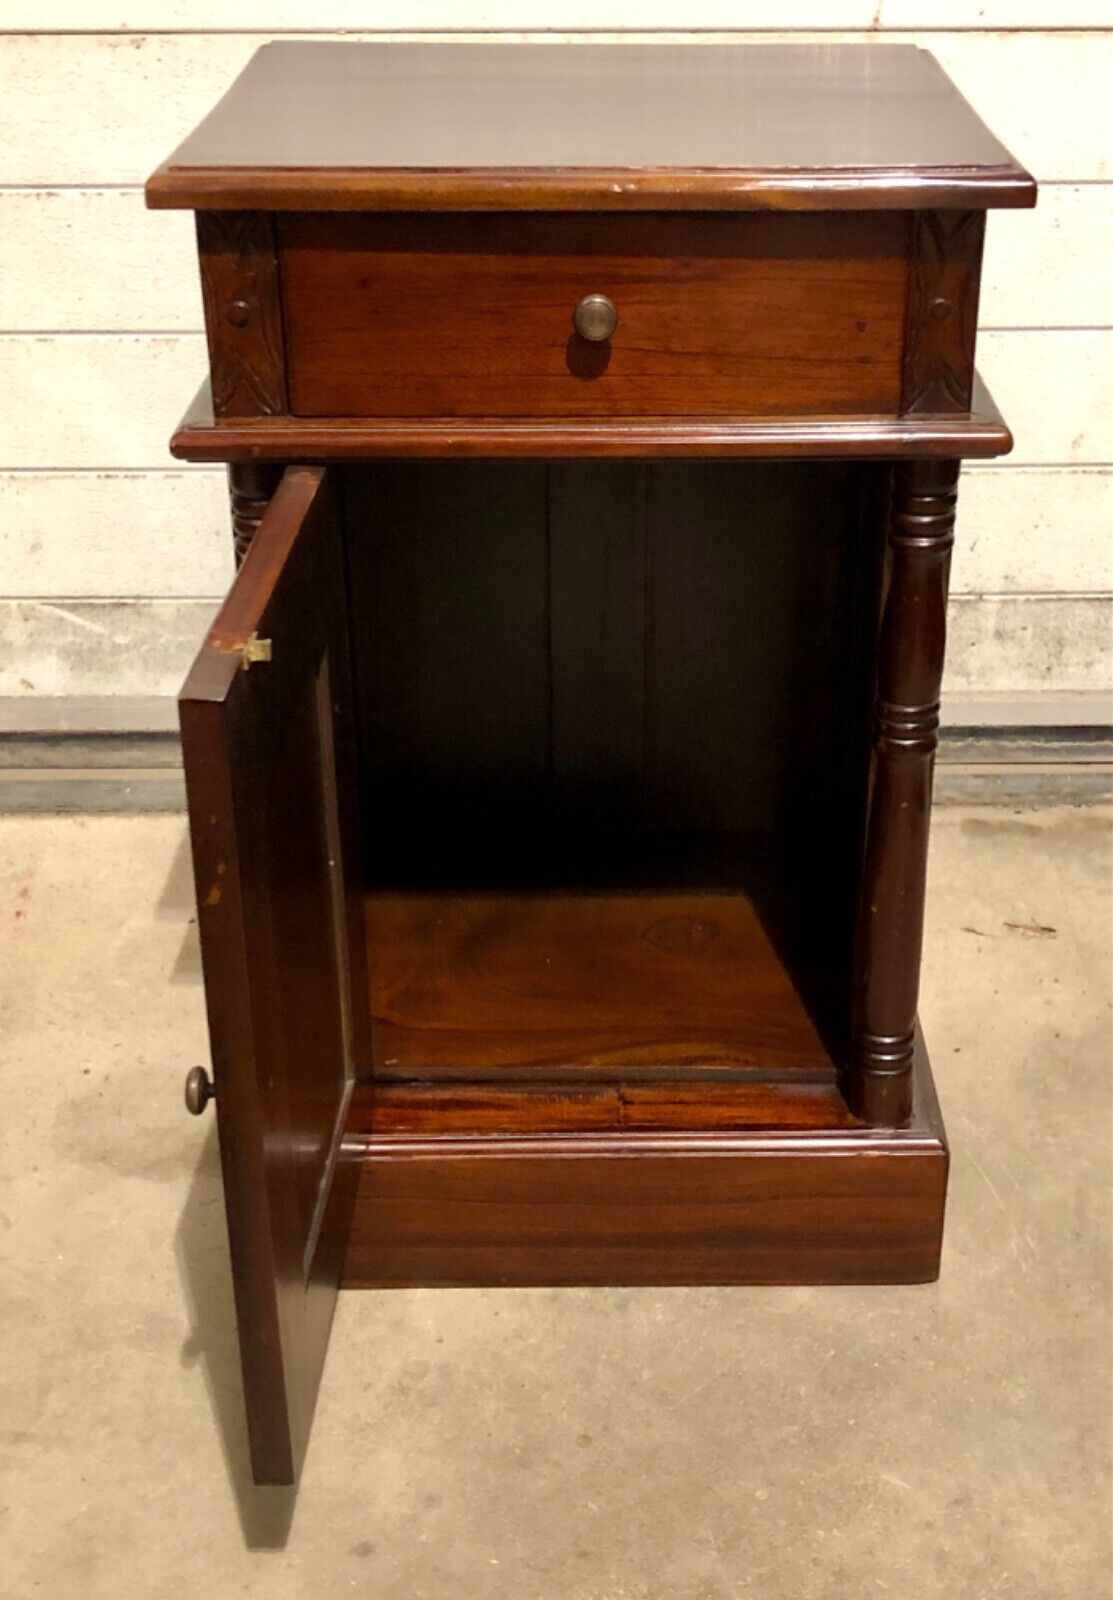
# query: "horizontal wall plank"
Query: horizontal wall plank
{"points": [[110, 401], [392, 15], [114, 534], [71, 257], [1034, 530], [105, 534], [1058, 644], [1054, 643], [1055, 390], [104, 647], [95, 259], [140, 16], [103, 401], [130, 99], [1052, 267], [946, 14]]}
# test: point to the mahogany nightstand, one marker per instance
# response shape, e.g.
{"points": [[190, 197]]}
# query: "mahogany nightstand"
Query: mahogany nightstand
{"points": [[559, 763]]}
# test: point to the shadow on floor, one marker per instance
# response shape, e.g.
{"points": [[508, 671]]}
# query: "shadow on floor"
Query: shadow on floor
{"points": [[176, 903], [201, 1246]]}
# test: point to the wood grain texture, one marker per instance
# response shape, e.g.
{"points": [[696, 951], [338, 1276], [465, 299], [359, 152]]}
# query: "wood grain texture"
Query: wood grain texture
{"points": [[199, 437], [572, 1201], [243, 314], [271, 797], [568, 986], [383, 1111], [910, 670], [946, 255], [539, 127], [473, 315]]}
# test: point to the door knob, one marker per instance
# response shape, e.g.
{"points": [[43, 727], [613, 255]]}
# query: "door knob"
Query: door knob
{"points": [[595, 318], [198, 1090]]}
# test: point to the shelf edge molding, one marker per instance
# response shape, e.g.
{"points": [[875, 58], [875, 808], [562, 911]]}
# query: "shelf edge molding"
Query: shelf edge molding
{"points": [[980, 433]]}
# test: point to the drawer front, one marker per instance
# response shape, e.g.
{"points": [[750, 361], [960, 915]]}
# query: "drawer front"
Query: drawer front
{"points": [[472, 315]]}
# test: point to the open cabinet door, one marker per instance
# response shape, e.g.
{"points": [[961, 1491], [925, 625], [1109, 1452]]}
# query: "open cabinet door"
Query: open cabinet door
{"points": [[268, 747]]}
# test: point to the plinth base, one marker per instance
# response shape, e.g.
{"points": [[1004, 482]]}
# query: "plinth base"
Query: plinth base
{"points": [[540, 1188]]}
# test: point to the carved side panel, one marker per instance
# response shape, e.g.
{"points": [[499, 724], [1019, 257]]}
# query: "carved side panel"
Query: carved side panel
{"points": [[944, 275], [891, 908], [243, 313]]}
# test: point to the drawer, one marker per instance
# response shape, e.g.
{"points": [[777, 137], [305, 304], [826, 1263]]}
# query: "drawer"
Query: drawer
{"points": [[473, 315]]}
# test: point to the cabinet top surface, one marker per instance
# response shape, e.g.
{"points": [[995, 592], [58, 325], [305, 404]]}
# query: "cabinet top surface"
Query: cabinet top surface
{"points": [[413, 126]]}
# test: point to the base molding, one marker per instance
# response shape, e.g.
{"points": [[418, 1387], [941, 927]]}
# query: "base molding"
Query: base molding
{"points": [[849, 1205]]}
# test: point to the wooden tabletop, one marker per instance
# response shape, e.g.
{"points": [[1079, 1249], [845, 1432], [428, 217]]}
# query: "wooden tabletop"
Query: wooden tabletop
{"points": [[340, 126]]}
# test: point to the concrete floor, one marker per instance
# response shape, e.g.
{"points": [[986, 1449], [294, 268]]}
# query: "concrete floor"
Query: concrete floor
{"points": [[952, 1440]]}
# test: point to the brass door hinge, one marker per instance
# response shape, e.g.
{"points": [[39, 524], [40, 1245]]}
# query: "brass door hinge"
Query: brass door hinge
{"points": [[253, 649]]}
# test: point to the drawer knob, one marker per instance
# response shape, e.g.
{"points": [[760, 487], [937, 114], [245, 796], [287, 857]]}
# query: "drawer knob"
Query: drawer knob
{"points": [[596, 318], [198, 1090]]}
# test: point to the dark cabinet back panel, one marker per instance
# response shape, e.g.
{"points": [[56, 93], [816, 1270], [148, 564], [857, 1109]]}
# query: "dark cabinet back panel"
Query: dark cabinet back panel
{"points": [[605, 649]]}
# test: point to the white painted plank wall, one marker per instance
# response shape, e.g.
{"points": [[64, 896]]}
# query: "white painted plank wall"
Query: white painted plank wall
{"points": [[109, 555], [561, 16]]}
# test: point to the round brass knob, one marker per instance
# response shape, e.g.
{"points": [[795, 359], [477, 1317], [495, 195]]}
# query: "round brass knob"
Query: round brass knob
{"points": [[198, 1091], [596, 318]]}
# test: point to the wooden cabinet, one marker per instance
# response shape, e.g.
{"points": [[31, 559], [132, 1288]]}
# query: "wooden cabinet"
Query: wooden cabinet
{"points": [[559, 763]]}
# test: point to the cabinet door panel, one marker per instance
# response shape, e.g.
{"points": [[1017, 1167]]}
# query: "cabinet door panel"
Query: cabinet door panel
{"points": [[269, 758]]}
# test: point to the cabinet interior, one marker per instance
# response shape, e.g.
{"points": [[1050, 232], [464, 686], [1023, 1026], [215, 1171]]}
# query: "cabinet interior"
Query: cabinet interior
{"points": [[613, 752]]}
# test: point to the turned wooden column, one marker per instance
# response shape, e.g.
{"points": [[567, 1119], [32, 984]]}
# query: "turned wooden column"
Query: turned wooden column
{"points": [[891, 908], [250, 487]]}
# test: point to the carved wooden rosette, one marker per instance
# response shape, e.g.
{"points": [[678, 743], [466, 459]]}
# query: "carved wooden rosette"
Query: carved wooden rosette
{"points": [[251, 484], [891, 908], [243, 313], [944, 277]]}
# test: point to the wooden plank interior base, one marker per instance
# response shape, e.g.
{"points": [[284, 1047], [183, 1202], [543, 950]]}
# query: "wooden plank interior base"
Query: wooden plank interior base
{"points": [[474, 1200], [554, 985]]}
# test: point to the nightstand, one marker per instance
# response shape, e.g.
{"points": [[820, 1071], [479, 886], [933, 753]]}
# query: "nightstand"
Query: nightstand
{"points": [[559, 763]]}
